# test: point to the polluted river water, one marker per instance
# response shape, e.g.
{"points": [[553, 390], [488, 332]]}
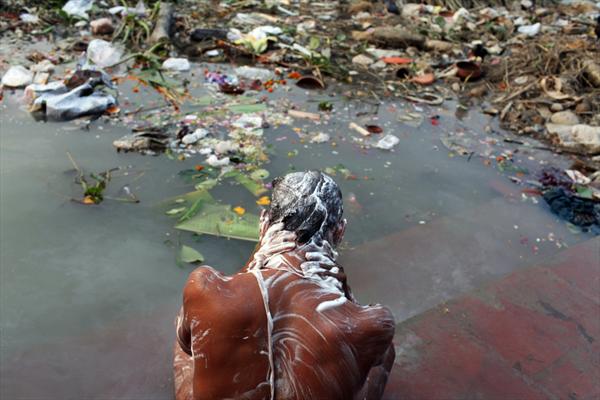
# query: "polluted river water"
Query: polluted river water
{"points": [[89, 294]]}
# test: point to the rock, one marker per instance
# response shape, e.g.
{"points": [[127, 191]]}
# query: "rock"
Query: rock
{"points": [[397, 38], [556, 107], [360, 6], [102, 26], [176, 64], [43, 66], [583, 107], [478, 91], [411, 10], [439, 45], [521, 80], [591, 71], [17, 76], [564, 118], [526, 4], [362, 36], [491, 111], [580, 138], [362, 60], [378, 65], [41, 78]]}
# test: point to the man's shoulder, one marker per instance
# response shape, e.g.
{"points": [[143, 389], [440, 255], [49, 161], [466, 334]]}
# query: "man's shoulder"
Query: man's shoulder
{"points": [[205, 283]]}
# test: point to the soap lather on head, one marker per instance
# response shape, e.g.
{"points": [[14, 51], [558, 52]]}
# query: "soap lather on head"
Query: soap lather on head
{"points": [[309, 204]]}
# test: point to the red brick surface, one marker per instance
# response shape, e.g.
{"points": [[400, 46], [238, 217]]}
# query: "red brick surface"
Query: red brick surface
{"points": [[534, 334]]}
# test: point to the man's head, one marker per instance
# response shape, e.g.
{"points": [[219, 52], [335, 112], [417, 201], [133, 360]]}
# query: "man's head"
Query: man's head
{"points": [[310, 204]]}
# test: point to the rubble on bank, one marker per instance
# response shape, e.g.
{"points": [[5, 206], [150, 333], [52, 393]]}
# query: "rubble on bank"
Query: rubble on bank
{"points": [[535, 68]]}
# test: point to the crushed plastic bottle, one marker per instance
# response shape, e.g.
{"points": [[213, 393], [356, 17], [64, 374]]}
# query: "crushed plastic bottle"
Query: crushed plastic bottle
{"points": [[59, 103]]}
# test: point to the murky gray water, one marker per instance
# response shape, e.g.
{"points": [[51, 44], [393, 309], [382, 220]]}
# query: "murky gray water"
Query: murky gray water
{"points": [[88, 295]]}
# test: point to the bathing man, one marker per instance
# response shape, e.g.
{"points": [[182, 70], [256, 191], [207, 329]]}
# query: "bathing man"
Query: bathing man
{"points": [[286, 326]]}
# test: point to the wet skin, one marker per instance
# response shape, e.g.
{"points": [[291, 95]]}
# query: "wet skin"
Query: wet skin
{"points": [[324, 344]]}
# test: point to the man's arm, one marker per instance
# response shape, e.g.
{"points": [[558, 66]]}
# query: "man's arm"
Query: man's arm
{"points": [[191, 290], [184, 334]]}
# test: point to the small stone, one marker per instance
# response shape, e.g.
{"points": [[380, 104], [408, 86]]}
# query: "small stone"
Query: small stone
{"points": [[176, 64], [456, 87], [491, 111], [43, 66], [360, 6], [581, 138], [102, 26], [17, 76], [564, 118], [521, 80], [41, 78], [526, 4], [583, 107], [439, 45], [378, 65], [362, 60], [556, 107]]}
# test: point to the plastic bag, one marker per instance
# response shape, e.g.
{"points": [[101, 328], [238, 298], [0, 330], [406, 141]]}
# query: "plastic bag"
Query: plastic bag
{"points": [[78, 8], [103, 53]]}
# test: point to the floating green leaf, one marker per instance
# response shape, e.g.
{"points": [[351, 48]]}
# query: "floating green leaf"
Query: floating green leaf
{"points": [[247, 108], [256, 187], [193, 210], [190, 198], [190, 255], [207, 184], [259, 174], [220, 220]]}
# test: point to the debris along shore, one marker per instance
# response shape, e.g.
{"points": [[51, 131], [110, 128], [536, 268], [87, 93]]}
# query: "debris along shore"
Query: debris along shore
{"points": [[534, 67]]}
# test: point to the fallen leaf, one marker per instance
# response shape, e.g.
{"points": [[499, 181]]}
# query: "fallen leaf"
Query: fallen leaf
{"points": [[190, 255]]}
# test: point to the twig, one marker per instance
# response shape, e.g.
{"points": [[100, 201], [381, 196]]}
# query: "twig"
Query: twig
{"points": [[79, 171]]}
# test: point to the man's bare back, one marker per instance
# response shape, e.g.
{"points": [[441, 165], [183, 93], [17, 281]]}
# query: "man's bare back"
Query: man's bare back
{"points": [[285, 327]]}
